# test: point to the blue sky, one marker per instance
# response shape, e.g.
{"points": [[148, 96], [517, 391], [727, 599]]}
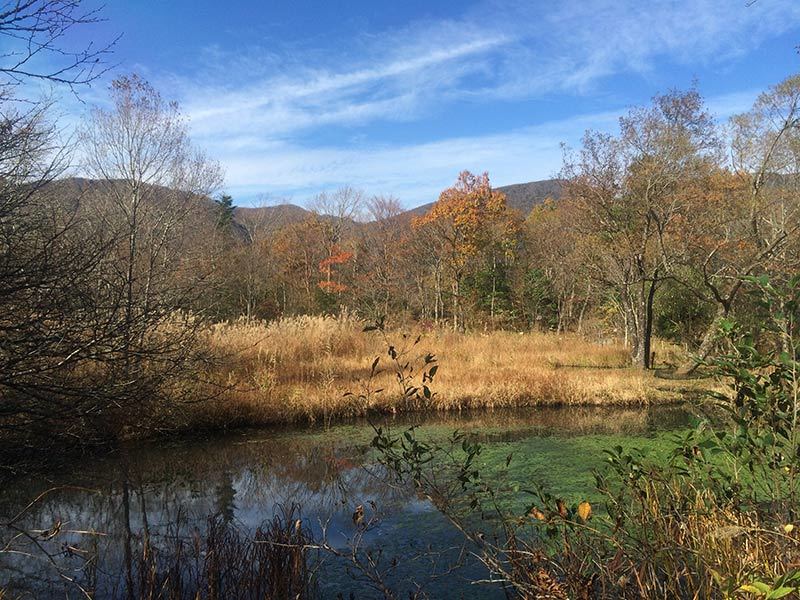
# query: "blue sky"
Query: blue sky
{"points": [[397, 97]]}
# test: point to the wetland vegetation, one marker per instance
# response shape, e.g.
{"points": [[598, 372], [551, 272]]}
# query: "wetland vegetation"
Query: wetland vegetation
{"points": [[584, 387]]}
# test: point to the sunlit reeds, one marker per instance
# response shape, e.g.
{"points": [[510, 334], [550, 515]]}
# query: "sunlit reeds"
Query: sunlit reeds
{"points": [[299, 369]]}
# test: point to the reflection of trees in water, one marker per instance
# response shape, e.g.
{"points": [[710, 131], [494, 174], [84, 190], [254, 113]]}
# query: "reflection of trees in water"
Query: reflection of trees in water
{"points": [[564, 420], [243, 479], [579, 420], [153, 495], [226, 498]]}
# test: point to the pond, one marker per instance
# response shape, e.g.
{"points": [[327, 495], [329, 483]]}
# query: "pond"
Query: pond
{"points": [[169, 490]]}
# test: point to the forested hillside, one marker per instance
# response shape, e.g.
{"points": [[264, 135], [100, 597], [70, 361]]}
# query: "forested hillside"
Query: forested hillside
{"points": [[658, 229]]}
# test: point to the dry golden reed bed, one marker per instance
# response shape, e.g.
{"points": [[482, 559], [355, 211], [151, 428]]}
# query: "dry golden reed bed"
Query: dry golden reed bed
{"points": [[299, 369]]}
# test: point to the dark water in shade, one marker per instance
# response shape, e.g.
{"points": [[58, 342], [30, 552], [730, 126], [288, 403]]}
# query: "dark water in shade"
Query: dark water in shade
{"points": [[248, 476]]}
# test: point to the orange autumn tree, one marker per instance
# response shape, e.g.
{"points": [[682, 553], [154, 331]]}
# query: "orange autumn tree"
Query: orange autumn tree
{"points": [[467, 218], [337, 257]]}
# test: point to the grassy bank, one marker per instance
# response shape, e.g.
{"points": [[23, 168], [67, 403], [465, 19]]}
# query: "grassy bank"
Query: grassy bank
{"points": [[299, 369]]}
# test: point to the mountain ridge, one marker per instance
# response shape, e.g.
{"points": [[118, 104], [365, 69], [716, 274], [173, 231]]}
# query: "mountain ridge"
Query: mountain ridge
{"points": [[521, 197], [249, 222]]}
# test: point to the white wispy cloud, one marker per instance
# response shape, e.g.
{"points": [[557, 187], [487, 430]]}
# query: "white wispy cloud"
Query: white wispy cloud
{"points": [[413, 172], [577, 43], [393, 84], [417, 172], [275, 117]]}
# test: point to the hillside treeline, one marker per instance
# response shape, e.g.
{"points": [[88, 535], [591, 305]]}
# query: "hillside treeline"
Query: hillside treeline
{"points": [[657, 230], [107, 282]]}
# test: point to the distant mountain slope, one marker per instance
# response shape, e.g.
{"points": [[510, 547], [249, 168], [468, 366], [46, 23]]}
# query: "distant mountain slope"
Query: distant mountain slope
{"points": [[80, 189], [270, 218], [250, 221], [77, 191], [522, 197]]}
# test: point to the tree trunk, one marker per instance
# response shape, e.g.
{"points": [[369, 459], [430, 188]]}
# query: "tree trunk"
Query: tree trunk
{"points": [[647, 332], [583, 308], [133, 230], [494, 287], [632, 313], [639, 320], [455, 305], [438, 304]]}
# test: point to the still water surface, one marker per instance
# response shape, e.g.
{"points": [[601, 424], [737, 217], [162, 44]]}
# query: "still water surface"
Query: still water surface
{"points": [[248, 476]]}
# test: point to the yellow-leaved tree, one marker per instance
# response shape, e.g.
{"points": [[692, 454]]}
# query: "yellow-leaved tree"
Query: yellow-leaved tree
{"points": [[468, 218]]}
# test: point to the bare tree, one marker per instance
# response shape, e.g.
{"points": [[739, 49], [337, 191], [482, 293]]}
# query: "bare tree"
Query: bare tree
{"points": [[35, 45], [335, 215], [52, 324], [631, 192], [262, 218], [154, 202], [380, 242], [56, 324], [345, 204], [749, 221]]}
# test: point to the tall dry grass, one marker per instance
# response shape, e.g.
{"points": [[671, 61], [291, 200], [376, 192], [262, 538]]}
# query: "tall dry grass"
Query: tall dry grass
{"points": [[299, 369]]}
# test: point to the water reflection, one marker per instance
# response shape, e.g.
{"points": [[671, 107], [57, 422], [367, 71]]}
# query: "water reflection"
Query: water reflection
{"points": [[162, 492]]}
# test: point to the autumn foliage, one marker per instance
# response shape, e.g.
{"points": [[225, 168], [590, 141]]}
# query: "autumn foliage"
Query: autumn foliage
{"points": [[470, 225], [650, 231], [326, 266], [468, 212]]}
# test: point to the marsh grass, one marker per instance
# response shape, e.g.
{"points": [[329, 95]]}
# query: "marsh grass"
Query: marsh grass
{"points": [[224, 562], [299, 369]]}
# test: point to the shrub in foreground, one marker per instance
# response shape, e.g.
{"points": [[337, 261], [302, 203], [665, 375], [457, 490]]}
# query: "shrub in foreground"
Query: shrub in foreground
{"points": [[718, 518]]}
